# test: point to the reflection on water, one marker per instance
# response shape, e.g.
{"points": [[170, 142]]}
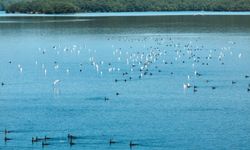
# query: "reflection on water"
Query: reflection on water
{"points": [[145, 24], [164, 82]]}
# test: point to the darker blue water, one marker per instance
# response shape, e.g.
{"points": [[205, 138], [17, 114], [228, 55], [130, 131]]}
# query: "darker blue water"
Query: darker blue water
{"points": [[89, 54]]}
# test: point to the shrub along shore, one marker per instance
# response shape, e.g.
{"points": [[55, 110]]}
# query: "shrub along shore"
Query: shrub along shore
{"points": [[73, 6]]}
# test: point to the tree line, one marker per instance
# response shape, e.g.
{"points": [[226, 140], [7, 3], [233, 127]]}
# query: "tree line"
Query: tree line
{"points": [[72, 6]]}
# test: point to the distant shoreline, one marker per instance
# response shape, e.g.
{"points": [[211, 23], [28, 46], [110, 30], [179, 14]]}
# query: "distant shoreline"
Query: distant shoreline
{"points": [[80, 6], [127, 14]]}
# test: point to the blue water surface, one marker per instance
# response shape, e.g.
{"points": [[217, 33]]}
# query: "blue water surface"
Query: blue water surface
{"points": [[162, 82]]}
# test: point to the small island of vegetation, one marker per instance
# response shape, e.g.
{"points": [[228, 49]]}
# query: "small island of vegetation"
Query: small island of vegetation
{"points": [[73, 6]]}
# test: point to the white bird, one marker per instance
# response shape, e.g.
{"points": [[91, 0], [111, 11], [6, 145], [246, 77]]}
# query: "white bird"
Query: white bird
{"points": [[239, 55], [56, 82], [186, 85], [21, 69], [56, 67]]}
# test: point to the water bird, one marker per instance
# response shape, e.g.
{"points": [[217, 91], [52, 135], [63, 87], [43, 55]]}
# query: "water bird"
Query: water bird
{"points": [[111, 141], [56, 82], [7, 139], [207, 81], [213, 87], [46, 138], [197, 74], [233, 82], [6, 131], [36, 139], [70, 136], [33, 140], [117, 93], [131, 144], [186, 85], [247, 76], [106, 98], [2, 83]]}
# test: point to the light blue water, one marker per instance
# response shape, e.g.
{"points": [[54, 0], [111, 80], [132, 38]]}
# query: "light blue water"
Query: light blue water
{"points": [[154, 111]]}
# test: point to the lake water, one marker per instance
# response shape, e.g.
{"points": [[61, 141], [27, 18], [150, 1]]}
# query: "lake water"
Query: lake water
{"points": [[125, 78]]}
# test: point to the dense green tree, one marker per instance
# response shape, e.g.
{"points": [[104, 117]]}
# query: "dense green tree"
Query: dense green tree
{"points": [[71, 6]]}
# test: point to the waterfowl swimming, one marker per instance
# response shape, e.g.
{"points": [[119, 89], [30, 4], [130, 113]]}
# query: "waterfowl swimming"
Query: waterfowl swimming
{"points": [[33, 140], [131, 144], [70, 136], [186, 85], [233, 82], [6, 131], [7, 139], [46, 138], [37, 139], [117, 93], [197, 74], [111, 141], [207, 81]]}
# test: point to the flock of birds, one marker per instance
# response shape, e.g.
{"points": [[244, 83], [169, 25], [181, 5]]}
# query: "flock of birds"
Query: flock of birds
{"points": [[70, 138], [142, 63], [137, 65]]}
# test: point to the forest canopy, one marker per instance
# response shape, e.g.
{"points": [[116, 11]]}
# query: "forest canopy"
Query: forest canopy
{"points": [[72, 6]]}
